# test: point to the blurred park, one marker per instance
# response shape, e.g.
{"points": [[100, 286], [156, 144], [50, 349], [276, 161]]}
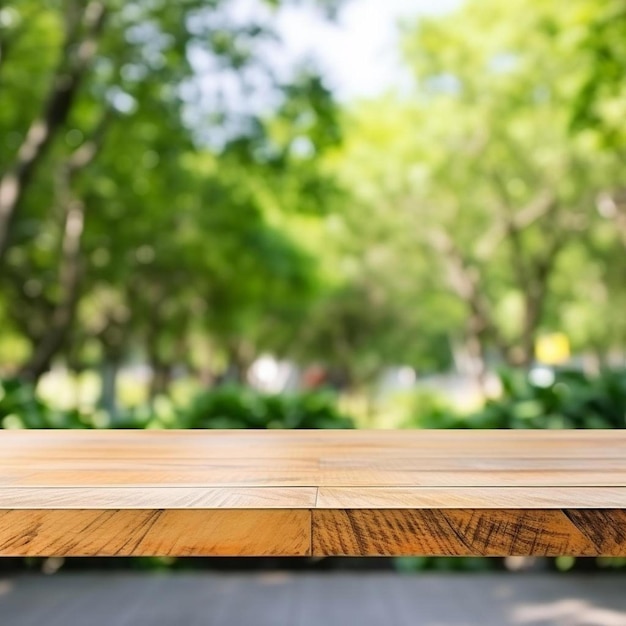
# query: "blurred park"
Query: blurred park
{"points": [[202, 226]]}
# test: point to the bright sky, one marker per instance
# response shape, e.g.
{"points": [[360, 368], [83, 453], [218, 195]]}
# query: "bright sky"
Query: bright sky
{"points": [[359, 52]]}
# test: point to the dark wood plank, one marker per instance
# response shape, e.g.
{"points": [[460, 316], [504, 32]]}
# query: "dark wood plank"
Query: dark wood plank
{"points": [[466, 532]]}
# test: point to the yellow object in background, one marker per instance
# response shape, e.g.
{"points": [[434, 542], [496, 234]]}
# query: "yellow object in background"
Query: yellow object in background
{"points": [[552, 349]]}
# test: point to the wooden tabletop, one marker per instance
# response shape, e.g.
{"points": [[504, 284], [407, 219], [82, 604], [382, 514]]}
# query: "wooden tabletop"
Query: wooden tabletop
{"points": [[323, 493]]}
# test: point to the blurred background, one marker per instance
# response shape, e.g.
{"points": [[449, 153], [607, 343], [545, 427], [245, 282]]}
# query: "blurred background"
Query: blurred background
{"points": [[313, 214]]}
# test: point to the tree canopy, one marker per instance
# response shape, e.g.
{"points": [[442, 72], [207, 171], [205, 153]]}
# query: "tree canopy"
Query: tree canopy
{"points": [[170, 195]]}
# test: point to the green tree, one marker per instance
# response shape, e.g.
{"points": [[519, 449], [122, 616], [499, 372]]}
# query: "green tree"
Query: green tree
{"points": [[129, 231], [474, 194]]}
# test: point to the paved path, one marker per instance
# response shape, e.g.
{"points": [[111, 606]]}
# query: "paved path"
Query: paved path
{"points": [[281, 599]]}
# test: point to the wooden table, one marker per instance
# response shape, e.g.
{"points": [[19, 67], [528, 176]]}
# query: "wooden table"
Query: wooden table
{"points": [[296, 493]]}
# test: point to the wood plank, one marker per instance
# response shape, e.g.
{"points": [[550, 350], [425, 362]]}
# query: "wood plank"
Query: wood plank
{"points": [[377, 476], [293, 478], [139, 477], [323, 464], [471, 497], [83, 443], [362, 492], [195, 532], [158, 498], [463, 532]]}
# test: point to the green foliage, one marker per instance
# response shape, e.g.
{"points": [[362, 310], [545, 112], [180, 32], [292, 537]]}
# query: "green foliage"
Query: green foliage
{"points": [[156, 214], [601, 99], [21, 408], [482, 225], [446, 564], [237, 407], [571, 400], [218, 222], [221, 407]]}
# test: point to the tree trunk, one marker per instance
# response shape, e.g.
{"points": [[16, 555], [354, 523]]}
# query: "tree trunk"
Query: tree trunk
{"points": [[481, 330], [240, 357], [535, 294], [108, 387], [160, 380], [69, 281], [70, 270], [4, 46], [114, 341], [83, 30]]}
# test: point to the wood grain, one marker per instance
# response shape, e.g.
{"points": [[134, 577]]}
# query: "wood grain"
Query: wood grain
{"points": [[191, 532], [377, 475], [470, 497], [463, 532], [158, 498], [137, 476], [327, 492]]}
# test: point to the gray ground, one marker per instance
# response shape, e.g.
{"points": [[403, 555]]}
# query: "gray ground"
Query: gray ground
{"points": [[277, 599]]}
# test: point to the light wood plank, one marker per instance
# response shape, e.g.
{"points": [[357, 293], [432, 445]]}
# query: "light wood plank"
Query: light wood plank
{"points": [[139, 477], [471, 497], [160, 444], [158, 498], [322, 464], [378, 476]]}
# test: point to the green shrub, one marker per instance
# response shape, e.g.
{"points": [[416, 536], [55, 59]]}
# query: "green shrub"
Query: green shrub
{"points": [[21, 408], [237, 407], [221, 407], [446, 564], [571, 400]]}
